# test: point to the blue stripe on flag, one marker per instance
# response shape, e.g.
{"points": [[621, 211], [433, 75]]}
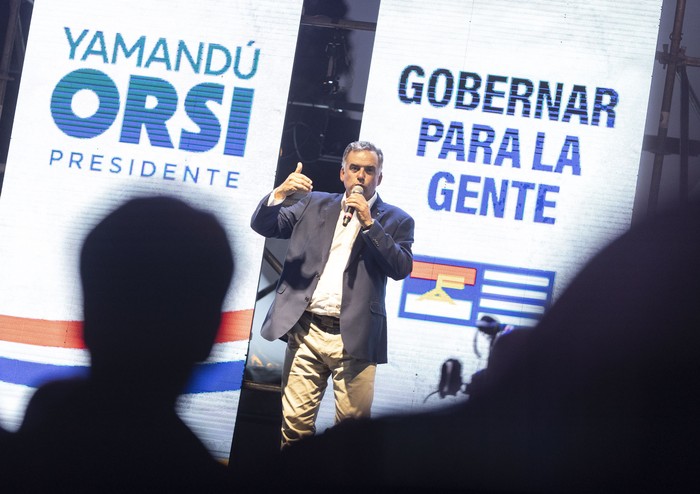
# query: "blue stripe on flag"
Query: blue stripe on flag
{"points": [[34, 374], [220, 376], [206, 378]]}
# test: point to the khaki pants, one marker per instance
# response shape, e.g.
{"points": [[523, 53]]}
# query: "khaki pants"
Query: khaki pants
{"points": [[312, 357]]}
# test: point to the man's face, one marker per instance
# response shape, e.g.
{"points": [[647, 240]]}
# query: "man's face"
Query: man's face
{"points": [[361, 169]]}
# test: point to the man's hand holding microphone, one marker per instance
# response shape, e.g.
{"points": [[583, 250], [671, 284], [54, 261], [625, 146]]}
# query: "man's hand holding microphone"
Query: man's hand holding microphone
{"points": [[356, 203]]}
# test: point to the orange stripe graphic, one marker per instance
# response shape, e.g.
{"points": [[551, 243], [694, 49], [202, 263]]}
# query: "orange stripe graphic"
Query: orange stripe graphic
{"points": [[430, 271], [64, 334], [235, 326]]}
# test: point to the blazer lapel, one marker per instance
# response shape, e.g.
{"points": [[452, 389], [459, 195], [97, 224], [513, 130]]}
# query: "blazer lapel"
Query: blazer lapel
{"points": [[377, 210]]}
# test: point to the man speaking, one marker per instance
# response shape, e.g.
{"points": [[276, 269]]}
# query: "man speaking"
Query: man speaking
{"points": [[330, 296]]}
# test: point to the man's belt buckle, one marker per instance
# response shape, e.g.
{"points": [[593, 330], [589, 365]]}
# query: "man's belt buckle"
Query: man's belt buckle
{"points": [[329, 324]]}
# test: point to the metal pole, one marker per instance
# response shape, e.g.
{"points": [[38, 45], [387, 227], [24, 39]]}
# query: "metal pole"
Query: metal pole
{"points": [[272, 260], [676, 36], [7, 47], [684, 139]]}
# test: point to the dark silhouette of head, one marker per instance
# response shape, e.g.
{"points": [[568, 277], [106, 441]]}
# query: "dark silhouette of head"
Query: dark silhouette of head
{"points": [[154, 275]]}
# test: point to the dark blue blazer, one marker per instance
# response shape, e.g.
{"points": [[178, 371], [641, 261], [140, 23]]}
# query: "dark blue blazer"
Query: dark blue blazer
{"points": [[383, 250]]}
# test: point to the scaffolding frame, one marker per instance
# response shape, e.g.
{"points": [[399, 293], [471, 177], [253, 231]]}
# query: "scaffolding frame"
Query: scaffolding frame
{"points": [[13, 46], [675, 61]]}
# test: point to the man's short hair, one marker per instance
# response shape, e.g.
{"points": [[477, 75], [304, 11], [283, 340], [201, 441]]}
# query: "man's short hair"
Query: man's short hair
{"points": [[364, 146]]}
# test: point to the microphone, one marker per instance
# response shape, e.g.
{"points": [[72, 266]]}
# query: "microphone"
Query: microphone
{"points": [[351, 210]]}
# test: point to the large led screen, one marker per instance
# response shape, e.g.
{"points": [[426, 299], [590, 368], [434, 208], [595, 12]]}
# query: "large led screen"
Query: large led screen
{"points": [[512, 133], [126, 99]]}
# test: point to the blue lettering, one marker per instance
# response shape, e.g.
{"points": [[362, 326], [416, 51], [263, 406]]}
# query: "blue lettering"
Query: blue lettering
{"points": [[212, 172], [537, 159], [446, 193], [183, 50], [161, 44], [524, 98], [75, 159], [603, 93], [188, 172], [463, 89], [416, 87], [511, 139], [544, 97], [168, 171], [116, 165], [149, 105], [238, 122], [214, 47], [498, 201], [426, 136], [151, 166], [101, 50], [475, 143], [542, 203], [432, 84], [128, 52], [571, 143], [454, 133], [74, 43], [463, 193], [522, 187], [56, 155], [62, 97], [197, 110], [138, 115], [491, 93], [232, 180], [95, 162], [578, 94]]}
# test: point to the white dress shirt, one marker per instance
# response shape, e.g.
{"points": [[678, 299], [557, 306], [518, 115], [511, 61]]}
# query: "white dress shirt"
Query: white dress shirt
{"points": [[329, 291], [328, 295]]}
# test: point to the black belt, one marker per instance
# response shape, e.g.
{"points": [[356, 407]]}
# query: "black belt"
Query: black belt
{"points": [[328, 324]]}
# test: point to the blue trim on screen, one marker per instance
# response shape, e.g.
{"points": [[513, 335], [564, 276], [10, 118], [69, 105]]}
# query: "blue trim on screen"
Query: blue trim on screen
{"points": [[206, 378]]}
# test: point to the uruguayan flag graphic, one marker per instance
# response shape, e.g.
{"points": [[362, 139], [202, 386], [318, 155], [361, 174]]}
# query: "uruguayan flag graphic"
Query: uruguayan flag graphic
{"points": [[461, 292]]}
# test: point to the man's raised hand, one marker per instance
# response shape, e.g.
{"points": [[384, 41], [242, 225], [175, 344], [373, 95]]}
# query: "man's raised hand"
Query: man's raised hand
{"points": [[295, 182]]}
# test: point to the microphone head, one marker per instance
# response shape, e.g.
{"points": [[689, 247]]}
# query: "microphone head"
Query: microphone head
{"points": [[357, 189]]}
